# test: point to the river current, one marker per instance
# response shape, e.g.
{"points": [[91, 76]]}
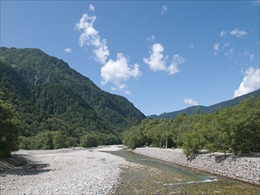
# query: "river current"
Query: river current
{"points": [[154, 176]]}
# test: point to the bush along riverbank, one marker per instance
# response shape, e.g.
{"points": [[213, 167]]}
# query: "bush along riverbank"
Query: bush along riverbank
{"points": [[243, 168]]}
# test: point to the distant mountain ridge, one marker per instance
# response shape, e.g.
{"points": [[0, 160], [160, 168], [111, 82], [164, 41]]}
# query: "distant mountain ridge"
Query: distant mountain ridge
{"points": [[206, 109], [49, 95]]}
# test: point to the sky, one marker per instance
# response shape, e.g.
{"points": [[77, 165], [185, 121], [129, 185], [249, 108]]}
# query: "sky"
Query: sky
{"points": [[162, 56]]}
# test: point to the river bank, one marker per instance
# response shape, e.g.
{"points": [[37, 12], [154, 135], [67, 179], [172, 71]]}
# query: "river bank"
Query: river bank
{"points": [[64, 171], [242, 168]]}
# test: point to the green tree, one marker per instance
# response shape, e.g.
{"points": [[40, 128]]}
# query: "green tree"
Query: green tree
{"points": [[24, 142], [43, 141], [134, 137], [89, 140], [59, 140], [9, 129], [72, 141]]}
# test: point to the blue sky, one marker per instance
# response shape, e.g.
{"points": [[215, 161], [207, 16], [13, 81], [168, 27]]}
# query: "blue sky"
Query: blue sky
{"points": [[162, 56]]}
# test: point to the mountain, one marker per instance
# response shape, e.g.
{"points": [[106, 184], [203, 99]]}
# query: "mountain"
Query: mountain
{"points": [[49, 95], [207, 109]]}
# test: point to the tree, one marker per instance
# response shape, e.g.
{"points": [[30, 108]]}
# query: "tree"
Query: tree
{"points": [[134, 137], [59, 140], [89, 140], [24, 143], [9, 129], [43, 141]]}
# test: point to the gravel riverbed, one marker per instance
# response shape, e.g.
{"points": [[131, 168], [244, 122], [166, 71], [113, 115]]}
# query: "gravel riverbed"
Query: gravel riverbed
{"points": [[64, 171], [92, 171]]}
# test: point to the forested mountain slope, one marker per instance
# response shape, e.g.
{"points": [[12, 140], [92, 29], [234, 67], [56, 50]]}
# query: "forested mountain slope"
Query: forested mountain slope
{"points": [[207, 109], [38, 68], [49, 95]]}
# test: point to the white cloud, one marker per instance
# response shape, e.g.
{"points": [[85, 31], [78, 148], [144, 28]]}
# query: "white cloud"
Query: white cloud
{"points": [[122, 86], [238, 33], [250, 82], [152, 38], [226, 44], [102, 52], [191, 46], [90, 36], [216, 48], [115, 72], [190, 101], [172, 69], [127, 92], [118, 71], [229, 54], [251, 57], [222, 33], [67, 50], [91, 7], [157, 61], [255, 3], [164, 9]]}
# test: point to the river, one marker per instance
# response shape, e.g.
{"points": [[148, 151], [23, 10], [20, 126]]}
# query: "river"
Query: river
{"points": [[158, 177]]}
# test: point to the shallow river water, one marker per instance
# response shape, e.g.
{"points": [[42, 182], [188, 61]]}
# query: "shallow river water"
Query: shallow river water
{"points": [[159, 177]]}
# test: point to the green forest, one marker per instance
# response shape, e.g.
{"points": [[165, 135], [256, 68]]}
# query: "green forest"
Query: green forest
{"points": [[235, 129], [56, 106]]}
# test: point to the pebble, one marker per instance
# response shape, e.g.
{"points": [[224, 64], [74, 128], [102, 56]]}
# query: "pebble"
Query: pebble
{"points": [[70, 172]]}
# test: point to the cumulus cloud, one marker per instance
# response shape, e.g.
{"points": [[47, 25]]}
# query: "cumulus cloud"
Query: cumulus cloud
{"points": [[164, 10], [67, 50], [119, 71], [190, 101], [238, 33], [91, 7], [90, 36], [102, 52], [112, 71], [250, 82], [157, 61], [222, 33]]}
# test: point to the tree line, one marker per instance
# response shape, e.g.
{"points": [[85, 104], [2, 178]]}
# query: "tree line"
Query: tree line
{"points": [[232, 128], [235, 129], [17, 133]]}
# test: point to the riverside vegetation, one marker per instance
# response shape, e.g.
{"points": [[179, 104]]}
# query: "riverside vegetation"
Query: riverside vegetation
{"points": [[232, 129]]}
